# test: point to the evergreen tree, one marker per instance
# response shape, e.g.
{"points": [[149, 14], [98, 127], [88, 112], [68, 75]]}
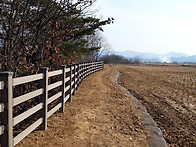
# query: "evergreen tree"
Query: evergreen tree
{"points": [[44, 33]]}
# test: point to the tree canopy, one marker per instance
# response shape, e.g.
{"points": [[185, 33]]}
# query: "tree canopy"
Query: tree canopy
{"points": [[45, 33]]}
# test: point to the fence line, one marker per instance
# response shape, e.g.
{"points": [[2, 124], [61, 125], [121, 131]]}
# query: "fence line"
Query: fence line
{"points": [[70, 78]]}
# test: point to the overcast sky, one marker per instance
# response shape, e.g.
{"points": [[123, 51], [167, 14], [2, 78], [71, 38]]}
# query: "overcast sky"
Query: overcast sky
{"points": [[157, 26]]}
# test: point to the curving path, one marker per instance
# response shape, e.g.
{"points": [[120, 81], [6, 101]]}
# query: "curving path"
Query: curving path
{"points": [[101, 114]]}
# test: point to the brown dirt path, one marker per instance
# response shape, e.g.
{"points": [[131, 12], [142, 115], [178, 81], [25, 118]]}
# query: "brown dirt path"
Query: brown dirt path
{"points": [[101, 114]]}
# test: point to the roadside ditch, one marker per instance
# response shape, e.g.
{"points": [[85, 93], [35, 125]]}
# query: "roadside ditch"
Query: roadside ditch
{"points": [[155, 137]]}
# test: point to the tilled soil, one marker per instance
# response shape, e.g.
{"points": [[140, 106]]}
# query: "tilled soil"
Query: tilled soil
{"points": [[169, 95], [101, 114]]}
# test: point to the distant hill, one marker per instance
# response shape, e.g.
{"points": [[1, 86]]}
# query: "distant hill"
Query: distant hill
{"points": [[132, 54], [189, 59], [170, 57]]}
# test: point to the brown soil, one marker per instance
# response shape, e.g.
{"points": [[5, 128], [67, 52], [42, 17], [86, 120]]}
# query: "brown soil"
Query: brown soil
{"points": [[101, 114], [169, 95]]}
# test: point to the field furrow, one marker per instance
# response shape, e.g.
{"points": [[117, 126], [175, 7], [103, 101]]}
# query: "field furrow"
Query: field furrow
{"points": [[169, 94]]}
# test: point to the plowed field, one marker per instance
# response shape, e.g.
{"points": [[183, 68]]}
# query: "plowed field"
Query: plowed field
{"points": [[169, 95]]}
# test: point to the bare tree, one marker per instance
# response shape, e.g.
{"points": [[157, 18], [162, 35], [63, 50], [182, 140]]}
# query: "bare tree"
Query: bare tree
{"points": [[136, 60], [116, 59], [98, 45], [104, 45]]}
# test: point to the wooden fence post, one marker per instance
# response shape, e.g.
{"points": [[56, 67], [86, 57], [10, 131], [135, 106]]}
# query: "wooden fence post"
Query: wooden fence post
{"points": [[78, 75], [74, 85], [44, 85], [70, 89], [86, 69], [98, 66], [90, 67], [7, 116], [62, 100], [81, 71], [93, 67]]}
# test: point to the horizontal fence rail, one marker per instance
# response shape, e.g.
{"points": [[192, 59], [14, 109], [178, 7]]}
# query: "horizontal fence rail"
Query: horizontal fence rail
{"points": [[69, 77]]}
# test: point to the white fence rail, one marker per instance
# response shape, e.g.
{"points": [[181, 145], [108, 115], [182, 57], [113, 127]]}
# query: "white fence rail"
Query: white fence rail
{"points": [[70, 78]]}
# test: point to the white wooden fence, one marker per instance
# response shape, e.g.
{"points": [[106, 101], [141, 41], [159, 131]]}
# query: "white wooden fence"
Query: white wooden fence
{"points": [[70, 78]]}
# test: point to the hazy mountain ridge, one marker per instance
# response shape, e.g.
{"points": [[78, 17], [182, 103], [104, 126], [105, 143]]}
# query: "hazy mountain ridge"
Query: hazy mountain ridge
{"points": [[170, 57]]}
